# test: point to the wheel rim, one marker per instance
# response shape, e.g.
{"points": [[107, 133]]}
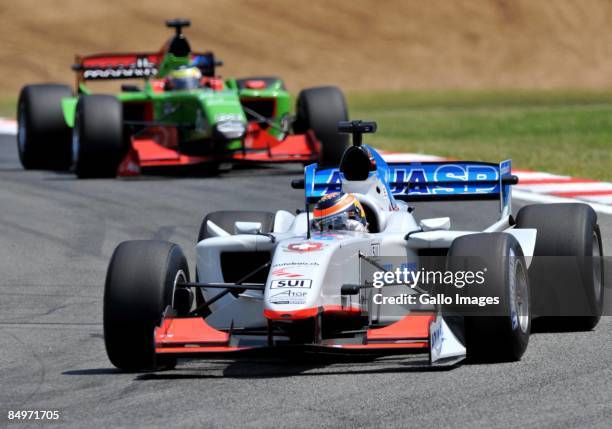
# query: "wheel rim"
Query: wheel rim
{"points": [[597, 286], [21, 129], [180, 277], [519, 292]]}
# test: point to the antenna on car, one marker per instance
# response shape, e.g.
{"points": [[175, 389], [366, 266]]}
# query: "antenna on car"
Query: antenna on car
{"points": [[357, 162], [356, 128], [178, 24]]}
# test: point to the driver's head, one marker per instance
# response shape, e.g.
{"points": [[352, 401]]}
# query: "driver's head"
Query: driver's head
{"points": [[339, 212], [184, 77]]}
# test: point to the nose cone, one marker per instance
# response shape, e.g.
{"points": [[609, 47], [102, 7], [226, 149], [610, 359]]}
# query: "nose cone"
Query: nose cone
{"points": [[293, 288]]}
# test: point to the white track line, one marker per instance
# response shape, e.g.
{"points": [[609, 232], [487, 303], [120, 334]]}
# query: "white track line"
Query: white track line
{"points": [[8, 126], [409, 157], [544, 188], [543, 198]]}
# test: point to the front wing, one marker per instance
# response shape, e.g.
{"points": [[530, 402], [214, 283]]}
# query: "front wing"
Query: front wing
{"points": [[425, 333], [158, 147]]}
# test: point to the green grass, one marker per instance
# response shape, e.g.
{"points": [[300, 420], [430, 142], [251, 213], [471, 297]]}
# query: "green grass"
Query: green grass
{"points": [[7, 108], [565, 132], [560, 132]]}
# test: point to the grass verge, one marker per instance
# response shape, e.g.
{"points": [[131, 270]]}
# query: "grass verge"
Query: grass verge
{"points": [[560, 132], [7, 108], [564, 132]]}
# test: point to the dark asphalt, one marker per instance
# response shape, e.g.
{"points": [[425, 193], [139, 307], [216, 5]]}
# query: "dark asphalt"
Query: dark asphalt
{"points": [[56, 238]]}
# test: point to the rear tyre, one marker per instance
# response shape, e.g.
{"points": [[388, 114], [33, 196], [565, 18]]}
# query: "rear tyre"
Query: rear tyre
{"points": [[493, 333], [97, 137], [567, 272], [320, 109], [43, 138], [140, 286]]}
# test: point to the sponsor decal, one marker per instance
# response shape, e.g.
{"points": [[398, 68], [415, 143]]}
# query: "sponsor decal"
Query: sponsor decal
{"points": [[375, 247], [305, 246], [281, 272], [418, 179], [290, 283], [296, 264], [289, 297], [141, 68], [409, 181]]}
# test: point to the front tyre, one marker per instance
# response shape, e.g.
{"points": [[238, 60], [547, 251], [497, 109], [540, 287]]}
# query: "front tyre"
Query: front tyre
{"points": [[140, 286], [493, 333], [97, 138]]}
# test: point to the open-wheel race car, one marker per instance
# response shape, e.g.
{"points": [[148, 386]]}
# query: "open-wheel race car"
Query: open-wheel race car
{"points": [[278, 280], [183, 114]]}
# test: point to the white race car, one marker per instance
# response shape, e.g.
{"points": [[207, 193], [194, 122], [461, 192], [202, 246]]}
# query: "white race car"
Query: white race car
{"points": [[269, 280]]}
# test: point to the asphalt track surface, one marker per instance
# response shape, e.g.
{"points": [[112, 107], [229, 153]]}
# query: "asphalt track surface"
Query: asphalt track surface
{"points": [[56, 237]]}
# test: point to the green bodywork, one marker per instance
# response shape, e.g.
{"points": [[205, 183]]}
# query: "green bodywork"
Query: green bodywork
{"points": [[194, 112]]}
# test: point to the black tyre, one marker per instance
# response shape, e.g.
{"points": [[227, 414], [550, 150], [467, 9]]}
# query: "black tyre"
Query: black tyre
{"points": [[97, 140], [320, 109], [227, 218], [268, 80], [567, 274], [139, 287], [43, 138], [496, 332]]}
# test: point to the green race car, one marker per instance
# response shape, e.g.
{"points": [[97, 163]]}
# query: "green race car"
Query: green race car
{"points": [[183, 114]]}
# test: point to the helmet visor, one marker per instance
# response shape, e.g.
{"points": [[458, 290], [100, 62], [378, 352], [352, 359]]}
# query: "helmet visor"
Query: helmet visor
{"points": [[184, 82]]}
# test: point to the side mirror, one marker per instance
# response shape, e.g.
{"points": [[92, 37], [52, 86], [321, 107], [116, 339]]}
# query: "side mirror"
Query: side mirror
{"points": [[435, 224], [252, 228]]}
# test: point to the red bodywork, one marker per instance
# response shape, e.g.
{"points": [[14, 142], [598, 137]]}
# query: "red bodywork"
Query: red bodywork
{"points": [[158, 147], [193, 336]]}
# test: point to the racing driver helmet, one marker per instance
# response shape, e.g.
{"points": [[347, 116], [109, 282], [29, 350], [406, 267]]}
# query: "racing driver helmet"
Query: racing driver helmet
{"points": [[184, 77], [339, 211]]}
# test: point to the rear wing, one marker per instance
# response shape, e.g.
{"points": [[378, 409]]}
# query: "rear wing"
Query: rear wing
{"points": [[141, 65], [426, 181]]}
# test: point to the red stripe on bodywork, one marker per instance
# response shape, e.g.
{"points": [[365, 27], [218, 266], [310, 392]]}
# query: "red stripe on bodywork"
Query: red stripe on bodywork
{"points": [[374, 346], [291, 315], [193, 331], [200, 349], [413, 326], [339, 310]]}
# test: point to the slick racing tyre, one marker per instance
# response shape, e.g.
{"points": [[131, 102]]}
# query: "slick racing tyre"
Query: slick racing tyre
{"points": [[567, 272], [97, 137], [140, 286], [498, 332], [43, 138], [320, 109]]}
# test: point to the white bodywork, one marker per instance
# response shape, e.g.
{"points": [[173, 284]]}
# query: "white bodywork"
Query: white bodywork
{"points": [[308, 273]]}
